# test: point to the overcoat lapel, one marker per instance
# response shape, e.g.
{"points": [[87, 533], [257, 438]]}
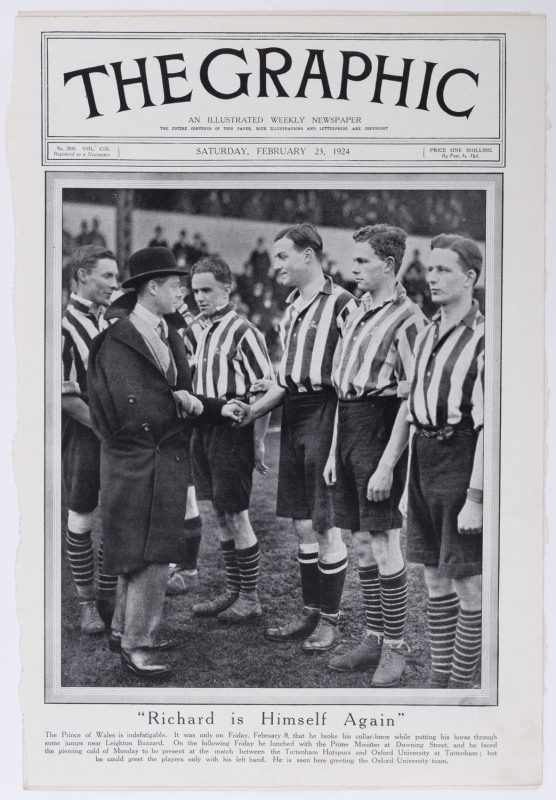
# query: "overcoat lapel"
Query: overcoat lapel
{"points": [[126, 333]]}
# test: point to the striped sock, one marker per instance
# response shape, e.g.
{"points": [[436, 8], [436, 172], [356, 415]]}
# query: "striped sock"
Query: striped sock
{"points": [[332, 579], [467, 650], [393, 599], [308, 559], [106, 584], [370, 587], [442, 618], [228, 550], [248, 564], [81, 559]]}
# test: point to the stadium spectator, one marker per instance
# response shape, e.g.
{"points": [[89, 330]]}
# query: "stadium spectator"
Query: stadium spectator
{"points": [[181, 250], [67, 245], [158, 239], [258, 262], [243, 281], [195, 251], [95, 235], [416, 285], [82, 237]]}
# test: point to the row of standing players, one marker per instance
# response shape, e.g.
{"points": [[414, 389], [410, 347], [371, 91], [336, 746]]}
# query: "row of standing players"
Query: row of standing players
{"points": [[357, 381]]}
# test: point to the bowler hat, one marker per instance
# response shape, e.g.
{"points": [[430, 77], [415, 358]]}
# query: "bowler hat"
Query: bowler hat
{"points": [[151, 262]]}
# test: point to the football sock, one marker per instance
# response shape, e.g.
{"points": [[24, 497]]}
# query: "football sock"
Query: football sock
{"points": [[467, 649], [228, 550], [248, 563], [308, 558], [81, 559], [393, 599], [370, 588], [332, 574], [442, 619], [192, 528], [106, 584]]}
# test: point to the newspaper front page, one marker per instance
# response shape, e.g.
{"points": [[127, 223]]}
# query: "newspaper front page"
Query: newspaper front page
{"points": [[210, 134]]}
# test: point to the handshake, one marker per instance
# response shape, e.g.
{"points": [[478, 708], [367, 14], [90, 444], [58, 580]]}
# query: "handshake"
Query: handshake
{"points": [[190, 407], [242, 414], [238, 412]]}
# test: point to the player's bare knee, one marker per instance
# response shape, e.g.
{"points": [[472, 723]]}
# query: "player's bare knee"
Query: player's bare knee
{"points": [[79, 521], [386, 550], [469, 592], [223, 529], [330, 541], [304, 531], [239, 525], [437, 585], [235, 520], [363, 548]]}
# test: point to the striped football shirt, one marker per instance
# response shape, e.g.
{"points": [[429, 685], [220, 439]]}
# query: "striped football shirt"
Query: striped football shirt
{"points": [[375, 353], [231, 355], [309, 336], [79, 328], [447, 385], [192, 330]]}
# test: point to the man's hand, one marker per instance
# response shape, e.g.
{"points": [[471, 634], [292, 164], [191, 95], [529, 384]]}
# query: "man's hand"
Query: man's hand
{"points": [[241, 413], [329, 473], [260, 466], [233, 411], [470, 518], [77, 409], [189, 406], [262, 385], [380, 483]]}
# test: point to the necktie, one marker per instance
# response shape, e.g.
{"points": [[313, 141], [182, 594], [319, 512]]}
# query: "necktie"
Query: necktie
{"points": [[170, 372]]}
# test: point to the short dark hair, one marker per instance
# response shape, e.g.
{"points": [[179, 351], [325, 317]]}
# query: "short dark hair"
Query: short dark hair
{"points": [[303, 235], [468, 251], [386, 240], [86, 258], [215, 265]]}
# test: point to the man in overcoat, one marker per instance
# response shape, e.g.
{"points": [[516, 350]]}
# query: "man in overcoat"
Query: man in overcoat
{"points": [[141, 410]]}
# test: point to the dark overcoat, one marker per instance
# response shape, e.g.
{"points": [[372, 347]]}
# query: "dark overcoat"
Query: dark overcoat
{"points": [[145, 467]]}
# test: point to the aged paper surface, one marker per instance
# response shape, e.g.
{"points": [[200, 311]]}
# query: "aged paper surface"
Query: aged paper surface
{"points": [[458, 128]]}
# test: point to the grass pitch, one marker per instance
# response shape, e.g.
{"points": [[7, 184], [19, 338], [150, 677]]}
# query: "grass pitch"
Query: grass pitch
{"points": [[213, 655]]}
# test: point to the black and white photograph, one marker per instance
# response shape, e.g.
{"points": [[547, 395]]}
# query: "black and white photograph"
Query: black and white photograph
{"points": [[278, 301], [286, 529]]}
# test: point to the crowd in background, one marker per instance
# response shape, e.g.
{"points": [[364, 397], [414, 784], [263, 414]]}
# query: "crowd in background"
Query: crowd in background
{"points": [[417, 212], [414, 211], [256, 293]]}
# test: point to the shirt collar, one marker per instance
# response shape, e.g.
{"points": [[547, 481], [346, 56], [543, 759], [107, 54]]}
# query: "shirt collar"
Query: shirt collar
{"points": [[83, 305], [326, 288], [399, 294], [468, 320], [221, 312], [150, 318]]}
